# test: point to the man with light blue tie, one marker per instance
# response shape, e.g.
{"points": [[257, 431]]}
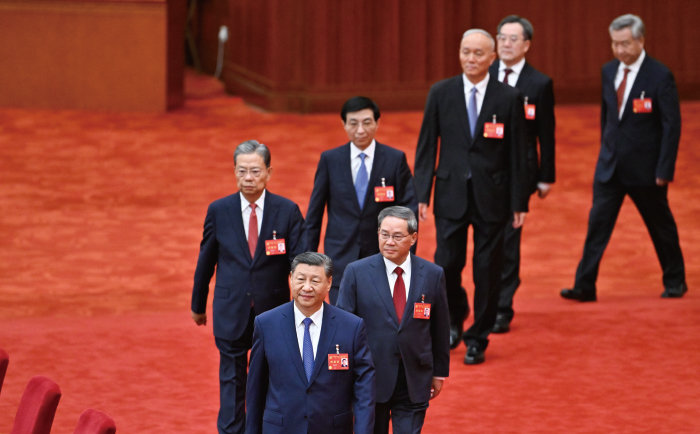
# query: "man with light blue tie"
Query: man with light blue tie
{"points": [[355, 182], [311, 369]]}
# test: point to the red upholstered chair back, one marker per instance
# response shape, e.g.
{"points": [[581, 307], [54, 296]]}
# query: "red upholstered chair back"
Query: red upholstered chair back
{"points": [[4, 361], [37, 407], [95, 422]]}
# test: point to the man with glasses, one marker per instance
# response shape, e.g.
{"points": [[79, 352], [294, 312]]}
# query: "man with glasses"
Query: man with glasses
{"points": [[514, 39], [402, 300], [480, 181], [355, 181], [250, 238]]}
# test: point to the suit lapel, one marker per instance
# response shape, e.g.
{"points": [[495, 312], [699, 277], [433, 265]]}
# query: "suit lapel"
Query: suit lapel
{"points": [[381, 285], [237, 218], [377, 170], [289, 332], [488, 107], [459, 102], [325, 341], [267, 226], [637, 88], [345, 172], [417, 284]]}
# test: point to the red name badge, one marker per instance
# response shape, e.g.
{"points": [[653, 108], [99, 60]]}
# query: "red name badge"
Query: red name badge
{"points": [[493, 130], [338, 362], [384, 194], [421, 310], [530, 111], [641, 105], [275, 247]]}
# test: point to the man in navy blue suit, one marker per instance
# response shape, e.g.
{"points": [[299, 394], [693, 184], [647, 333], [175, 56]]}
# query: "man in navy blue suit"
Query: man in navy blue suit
{"points": [[249, 239], [402, 299], [640, 130], [356, 181], [311, 369], [514, 38]]}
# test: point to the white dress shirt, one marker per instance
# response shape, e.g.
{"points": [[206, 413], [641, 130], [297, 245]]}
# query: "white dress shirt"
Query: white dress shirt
{"points": [[355, 159], [391, 276], [246, 209], [314, 328], [631, 76], [514, 74], [480, 91]]}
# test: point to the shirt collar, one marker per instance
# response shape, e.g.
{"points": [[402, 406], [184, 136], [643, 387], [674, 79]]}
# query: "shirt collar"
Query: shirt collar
{"points": [[369, 150], [316, 317], [391, 266], [480, 86], [260, 202], [517, 68]]}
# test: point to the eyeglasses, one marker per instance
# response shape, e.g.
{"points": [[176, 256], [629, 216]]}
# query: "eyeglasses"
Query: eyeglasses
{"points": [[503, 38], [255, 173], [396, 237]]}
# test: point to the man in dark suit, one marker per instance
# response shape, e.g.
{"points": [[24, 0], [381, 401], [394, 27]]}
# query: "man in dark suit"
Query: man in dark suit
{"points": [[514, 38], [356, 181], [481, 180], [402, 299], [249, 238], [640, 130], [311, 369]]}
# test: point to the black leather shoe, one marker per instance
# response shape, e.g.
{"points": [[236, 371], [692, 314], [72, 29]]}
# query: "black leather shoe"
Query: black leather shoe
{"points": [[675, 291], [474, 356], [577, 294], [455, 336], [502, 324]]}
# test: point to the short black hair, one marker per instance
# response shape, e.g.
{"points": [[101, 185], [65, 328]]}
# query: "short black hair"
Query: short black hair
{"points": [[528, 30], [313, 258], [357, 103]]}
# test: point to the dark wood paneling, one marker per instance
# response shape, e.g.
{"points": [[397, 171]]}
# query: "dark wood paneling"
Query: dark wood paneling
{"points": [[311, 55]]}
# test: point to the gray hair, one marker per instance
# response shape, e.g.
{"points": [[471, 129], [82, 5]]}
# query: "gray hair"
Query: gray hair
{"points": [[402, 213], [253, 146], [635, 24], [528, 30], [483, 32], [313, 258]]}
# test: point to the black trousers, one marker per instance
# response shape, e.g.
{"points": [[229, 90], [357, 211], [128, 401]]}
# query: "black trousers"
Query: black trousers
{"points": [[652, 204], [510, 275], [405, 416], [487, 263], [233, 375]]}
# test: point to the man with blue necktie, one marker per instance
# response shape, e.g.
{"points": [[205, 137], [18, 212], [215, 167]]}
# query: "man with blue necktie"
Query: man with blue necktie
{"points": [[311, 369], [354, 182]]}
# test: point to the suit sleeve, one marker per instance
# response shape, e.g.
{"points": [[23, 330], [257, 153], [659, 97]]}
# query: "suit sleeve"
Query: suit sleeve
{"points": [[545, 132], [440, 330], [518, 157], [426, 150], [670, 113], [347, 294], [317, 204], [408, 190], [297, 239], [206, 263], [603, 107], [256, 388], [364, 384]]}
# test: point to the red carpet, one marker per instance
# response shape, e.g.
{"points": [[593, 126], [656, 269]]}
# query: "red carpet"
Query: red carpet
{"points": [[100, 221]]}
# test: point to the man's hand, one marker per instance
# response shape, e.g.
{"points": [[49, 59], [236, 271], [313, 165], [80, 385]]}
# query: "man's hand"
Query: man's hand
{"points": [[199, 318], [422, 211], [660, 182], [436, 387], [518, 219], [543, 189]]}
